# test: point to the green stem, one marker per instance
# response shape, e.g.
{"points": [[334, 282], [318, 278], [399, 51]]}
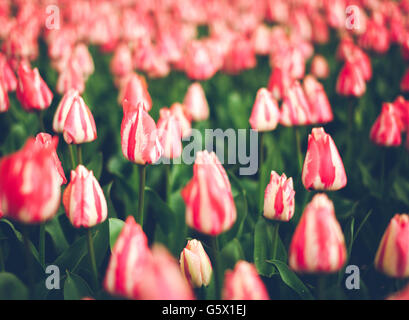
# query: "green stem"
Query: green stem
{"points": [[261, 161], [351, 118], [321, 287], [168, 182], [298, 144], [276, 226], [79, 153], [42, 245], [40, 115], [72, 157], [92, 258], [142, 180], [216, 266]]}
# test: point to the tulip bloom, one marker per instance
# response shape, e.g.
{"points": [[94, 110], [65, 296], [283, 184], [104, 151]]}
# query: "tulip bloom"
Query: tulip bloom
{"points": [[127, 264], [278, 83], [179, 111], [135, 91], [7, 76], [195, 264], [321, 111], [29, 184], [323, 168], [4, 99], [209, 202], [295, 109], [195, 102], [386, 131], [318, 244], [244, 283], [32, 92], [350, 81], [121, 63], [139, 136], [319, 67], [279, 198], [83, 199], [265, 114], [170, 134], [392, 257]]}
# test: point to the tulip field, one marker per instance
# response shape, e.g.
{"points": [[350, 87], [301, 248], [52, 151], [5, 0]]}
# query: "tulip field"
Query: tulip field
{"points": [[204, 149]]}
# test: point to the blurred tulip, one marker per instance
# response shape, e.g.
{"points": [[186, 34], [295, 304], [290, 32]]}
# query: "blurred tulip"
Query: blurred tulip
{"points": [[195, 102], [240, 56], [318, 244], [195, 264], [279, 198], [7, 77], [350, 81], [209, 202], [375, 37], [386, 131], [291, 60], [295, 109], [323, 168], [320, 107], [179, 111], [244, 283], [320, 29], [265, 114], [70, 78], [261, 40], [29, 187], [136, 91], [198, 61], [401, 107], [392, 257], [4, 99], [121, 63], [278, 83], [319, 67], [170, 134]]}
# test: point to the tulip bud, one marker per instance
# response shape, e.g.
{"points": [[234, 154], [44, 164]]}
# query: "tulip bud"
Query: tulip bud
{"points": [[170, 134], [386, 131], [321, 111], [162, 278], [82, 58], [178, 110], [29, 186], [195, 264], [32, 92], [392, 257], [278, 83], [350, 81], [84, 200], [290, 59], [323, 168], [279, 198], [210, 208], [139, 136], [198, 61], [128, 261], [243, 283], [318, 244], [136, 91], [295, 109], [265, 114], [70, 78], [121, 63], [195, 102], [319, 67], [4, 99], [240, 56], [7, 77], [401, 107]]}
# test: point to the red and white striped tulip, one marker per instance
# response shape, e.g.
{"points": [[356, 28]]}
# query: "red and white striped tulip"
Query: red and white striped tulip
{"points": [[128, 261], [210, 207], [83, 199], [320, 67], [4, 99], [179, 111], [135, 91], [29, 185], [243, 283], [318, 244], [392, 257], [139, 136], [70, 78], [7, 76], [265, 114], [321, 111], [350, 81], [323, 168], [195, 102], [279, 199], [195, 264], [295, 109], [32, 92], [170, 134], [278, 83], [121, 63], [386, 131]]}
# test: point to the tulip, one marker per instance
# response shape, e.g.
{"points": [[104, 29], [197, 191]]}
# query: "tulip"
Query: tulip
{"points": [[121, 63], [319, 67], [82, 58], [136, 91], [29, 186], [210, 208], [320, 29], [318, 244], [195, 264], [295, 109], [128, 261], [392, 257], [289, 59], [350, 81], [32, 92], [279, 198], [70, 78], [386, 131], [4, 99], [162, 278], [404, 84], [62, 110], [84, 200], [198, 61], [179, 111], [261, 40], [278, 83], [323, 168], [195, 102], [265, 114], [170, 134], [401, 107], [243, 283], [375, 37], [240, 56], [7, 78], [321, 111]]}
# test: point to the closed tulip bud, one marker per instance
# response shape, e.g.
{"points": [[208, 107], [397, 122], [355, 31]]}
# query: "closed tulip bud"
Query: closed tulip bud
{"points": [[29, 186], [7, 76], [82, 58], [392, 257], [170, 134], [386, 131], [321, 111], [209, 202], [178, 110], [139, 136], [350, 81], [83, 199], [195, 102], [195, 264], [199, 64], [291, 60], [243, 283], [318, 244], [265, 114], [320, 67], [70, 78], [135, 91], [121, 63], [4, 99], [295, 109], [323, 168], [401, 107], [279, 198], [278, 83], [32, 92], [128, 261], [162, 278]]}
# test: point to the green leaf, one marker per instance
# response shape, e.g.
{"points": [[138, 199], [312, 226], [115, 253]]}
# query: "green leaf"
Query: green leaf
{"points": [[53, 228], [96, 164], [11, 288], [163, 213], [231, 253], [15, 139], [263, 245], [292, 280], [115, 227], [75, 287]]}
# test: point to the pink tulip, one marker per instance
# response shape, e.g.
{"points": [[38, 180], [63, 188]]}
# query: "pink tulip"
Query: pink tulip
{"points": [[350, 81], [265, 114], [295, 109], [195, 102], [321, 111], [170, 134], [386, 131]]}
